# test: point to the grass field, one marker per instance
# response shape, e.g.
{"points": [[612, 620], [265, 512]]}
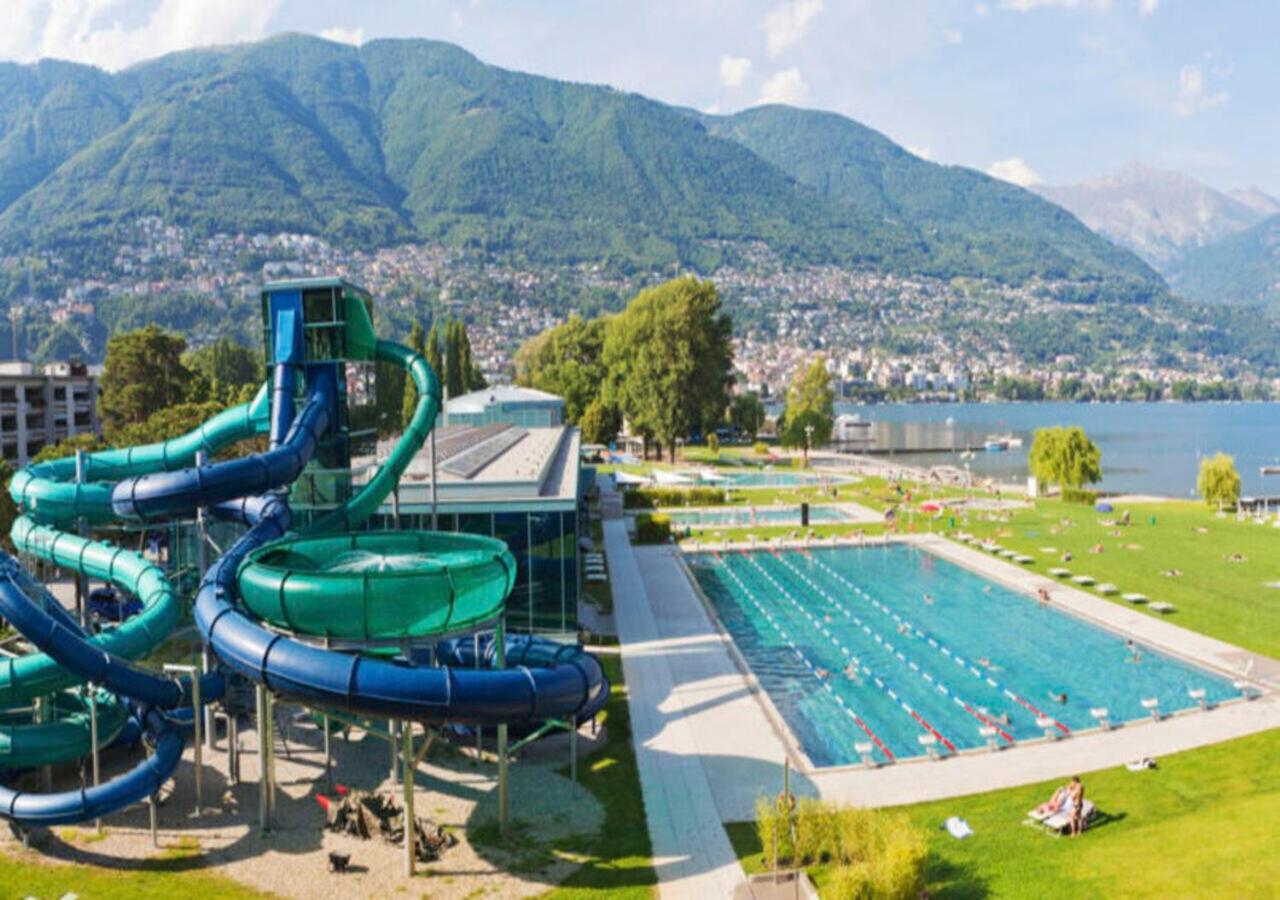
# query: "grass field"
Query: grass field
{"points": [[1200, 825], [1232, 601]]}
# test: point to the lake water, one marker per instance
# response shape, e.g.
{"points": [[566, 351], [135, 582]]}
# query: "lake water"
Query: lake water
{"points": [[1152, 448]]}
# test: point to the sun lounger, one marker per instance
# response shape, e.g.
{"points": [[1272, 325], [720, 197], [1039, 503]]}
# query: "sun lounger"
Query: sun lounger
{"points": [[1162, 607], [1084, 580], [1059, 822], [597, 576], [1134, 598], [1008, 554], [1059, 572], [1107, 588], [1023, 560]]}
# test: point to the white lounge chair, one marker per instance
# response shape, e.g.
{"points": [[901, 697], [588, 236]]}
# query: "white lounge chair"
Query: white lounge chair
{"points": [[1059, 572], [1161, 607], [1084, 580], [1107, 588], [1134, 598], [1059, 822]]}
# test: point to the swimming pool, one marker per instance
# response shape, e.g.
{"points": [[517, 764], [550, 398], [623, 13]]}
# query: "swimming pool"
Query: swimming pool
{"points": [[850, 651], [764, 478], [746, 516]]}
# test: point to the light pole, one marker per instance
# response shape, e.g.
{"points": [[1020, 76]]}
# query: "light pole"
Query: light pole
{"points": [[679, 449], [808, 440]]}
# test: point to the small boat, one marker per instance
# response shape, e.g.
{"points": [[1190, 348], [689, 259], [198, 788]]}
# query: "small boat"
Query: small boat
{"points": [[995, 443]]}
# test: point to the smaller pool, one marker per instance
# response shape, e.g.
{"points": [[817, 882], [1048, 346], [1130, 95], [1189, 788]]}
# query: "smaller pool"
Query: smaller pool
{"points": [[762, 479], [747, 516]]}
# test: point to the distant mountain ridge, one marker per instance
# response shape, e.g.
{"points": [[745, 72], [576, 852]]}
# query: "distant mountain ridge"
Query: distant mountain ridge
{"points": [[1160, 215], [1243, 269], [413, 139]]}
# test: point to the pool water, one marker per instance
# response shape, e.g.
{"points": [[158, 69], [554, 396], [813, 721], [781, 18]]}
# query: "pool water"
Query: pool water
{"points": [[746, 516], [762, 479], [884, 644]]}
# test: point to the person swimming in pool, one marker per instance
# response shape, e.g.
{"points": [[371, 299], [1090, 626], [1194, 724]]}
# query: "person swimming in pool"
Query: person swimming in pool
{"points": [[928, 599], [1059, 696], [1135, 654]]}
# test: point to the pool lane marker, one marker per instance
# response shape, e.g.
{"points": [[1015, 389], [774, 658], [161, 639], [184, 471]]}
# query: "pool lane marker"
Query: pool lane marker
{"points": [[983, 718], [804, 659], [879, 682], [940, 647]]}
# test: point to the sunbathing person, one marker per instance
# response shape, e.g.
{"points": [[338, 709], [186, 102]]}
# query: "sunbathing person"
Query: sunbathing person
{"points": [[1055, 803]]}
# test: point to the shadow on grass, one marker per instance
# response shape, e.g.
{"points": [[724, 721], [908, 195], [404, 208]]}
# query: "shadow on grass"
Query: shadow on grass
{"points": [[947, 879]]}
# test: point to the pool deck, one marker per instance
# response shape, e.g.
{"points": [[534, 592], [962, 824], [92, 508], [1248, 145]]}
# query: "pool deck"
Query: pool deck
{"points": [[721, 718]]}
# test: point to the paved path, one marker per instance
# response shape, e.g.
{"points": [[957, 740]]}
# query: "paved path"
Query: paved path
{"points": [[691, 851]]}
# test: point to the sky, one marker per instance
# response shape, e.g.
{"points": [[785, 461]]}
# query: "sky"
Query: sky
{"points": [[1028, 90]]}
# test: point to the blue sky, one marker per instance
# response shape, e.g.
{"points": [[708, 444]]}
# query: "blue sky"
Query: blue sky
{"points": [[1056, 90]]}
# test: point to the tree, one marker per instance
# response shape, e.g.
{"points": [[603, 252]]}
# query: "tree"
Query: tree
{"points": [[713, 443], [600, 423], [434, 358], [168, 423], [142, 374], [8, 509], [746, 414], [809, 415], [1064, 456], [453, 379], [566, 361], [222, 368], [85, 440], [1218, 481], [409, 401], [669, 360]]}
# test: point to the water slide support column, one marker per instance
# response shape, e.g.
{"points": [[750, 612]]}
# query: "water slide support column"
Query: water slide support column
{"points": [[328, 750], [197, 715], [475, 639], [202, 520], [264, 759], [410, 829], [82, 581], [435, 525], [44, 714], [93, 742], [500, 637]]}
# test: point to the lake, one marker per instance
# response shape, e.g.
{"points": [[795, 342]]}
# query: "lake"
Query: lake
{"points": [[1149, 448]]}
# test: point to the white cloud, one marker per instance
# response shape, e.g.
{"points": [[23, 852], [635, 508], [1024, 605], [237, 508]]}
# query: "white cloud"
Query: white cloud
{"points": [[784, 87], [1147, 7], [785, 25], [105, 33], [734, 70], [953, 36], [1194, 95], [922, 152], [981, 9], [1015, 170], [344, 35]]}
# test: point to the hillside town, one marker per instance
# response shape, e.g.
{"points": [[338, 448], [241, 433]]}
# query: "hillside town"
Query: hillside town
{"points": [[884, 336]]}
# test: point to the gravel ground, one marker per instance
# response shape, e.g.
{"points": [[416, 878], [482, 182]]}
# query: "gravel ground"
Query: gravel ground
{"points": [[453, 789]]}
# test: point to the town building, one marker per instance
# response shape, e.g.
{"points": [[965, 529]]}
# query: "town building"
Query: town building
{"points": [[41, 407], [507, 404]]}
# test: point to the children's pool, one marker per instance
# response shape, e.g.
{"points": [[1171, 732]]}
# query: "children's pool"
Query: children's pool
{"points": [[881, 645], [747, 516]]}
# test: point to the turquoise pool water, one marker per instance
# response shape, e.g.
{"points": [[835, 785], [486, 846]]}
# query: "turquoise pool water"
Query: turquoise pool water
{"points": [[745, 516], [759, 479], [849, 650]]}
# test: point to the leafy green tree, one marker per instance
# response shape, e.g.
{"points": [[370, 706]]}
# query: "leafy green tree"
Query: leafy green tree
{"points": [[746, 414], [222, 368], [1065, 457], [809, 415], [1219, 482], [409, 401], [566, 361], [669, 360], [600, 423], [143, 373], [8, 509], [454, 381], [168, 423], [434, 359]]}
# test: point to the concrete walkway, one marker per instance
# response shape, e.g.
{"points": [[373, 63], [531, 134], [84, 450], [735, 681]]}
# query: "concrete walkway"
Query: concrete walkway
{"points": [[691, 851]]}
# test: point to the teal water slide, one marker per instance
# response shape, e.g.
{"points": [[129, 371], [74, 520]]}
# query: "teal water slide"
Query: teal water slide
{"points": [[262, 606]]}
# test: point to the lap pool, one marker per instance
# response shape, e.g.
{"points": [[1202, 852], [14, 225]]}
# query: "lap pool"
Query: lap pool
{"points": [[881, 645], [746, 516]]}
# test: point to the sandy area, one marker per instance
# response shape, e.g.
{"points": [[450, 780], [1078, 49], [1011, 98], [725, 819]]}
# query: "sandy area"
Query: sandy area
{"points": [[453, 788]]}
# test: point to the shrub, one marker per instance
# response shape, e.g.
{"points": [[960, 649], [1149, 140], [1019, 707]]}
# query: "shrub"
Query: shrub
{"points": [[891, 864], [1077, 495], [760, 448], [650, 498], [653, 528], [713, 443]]}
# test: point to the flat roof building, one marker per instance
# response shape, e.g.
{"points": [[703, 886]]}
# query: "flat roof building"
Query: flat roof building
{"points": [[506, 403], [41, 407]]}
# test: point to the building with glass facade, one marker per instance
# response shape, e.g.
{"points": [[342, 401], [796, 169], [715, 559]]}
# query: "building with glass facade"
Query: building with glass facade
{"points": [[506, 404], [519, 484]]}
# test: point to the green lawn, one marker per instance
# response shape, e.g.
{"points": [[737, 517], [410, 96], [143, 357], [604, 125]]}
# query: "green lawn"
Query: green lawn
{"points": [[618, 859], [1201, 825], [173, 873], [1227, 600]]}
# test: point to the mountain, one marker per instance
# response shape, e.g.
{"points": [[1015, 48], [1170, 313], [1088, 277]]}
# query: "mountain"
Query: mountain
{"points": [[413, 139], [1257, 200], [1159, 215], [966, 220], [1243, 269]]}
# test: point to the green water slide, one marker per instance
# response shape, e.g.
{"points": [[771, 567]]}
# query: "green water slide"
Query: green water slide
{"points": [[65, 736]]}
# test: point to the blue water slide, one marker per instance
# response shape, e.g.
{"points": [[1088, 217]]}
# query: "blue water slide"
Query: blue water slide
{"points": [[171, 494], [547, 680]]}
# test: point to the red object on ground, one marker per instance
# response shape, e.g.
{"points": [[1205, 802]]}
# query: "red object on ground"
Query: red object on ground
{"points": [[323, 801]]}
